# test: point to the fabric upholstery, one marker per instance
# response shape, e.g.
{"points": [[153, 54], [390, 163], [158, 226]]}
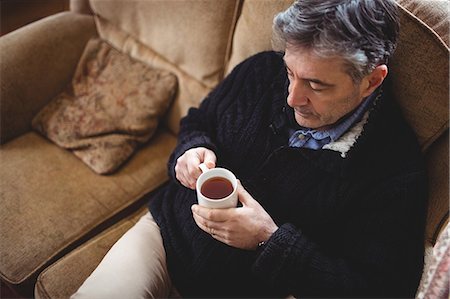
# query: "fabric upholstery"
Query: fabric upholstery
{"points": [[84, 259], [435, 16], [41, 61], [38, 219], [81, 6], [195, 37], [49, 199], [113, 104], [255, 14], [420, 76], [190, 90]]}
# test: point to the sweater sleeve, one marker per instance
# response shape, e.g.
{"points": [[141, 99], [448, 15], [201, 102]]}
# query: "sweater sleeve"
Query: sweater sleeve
{"points": [[385, 258], [198, 127]]}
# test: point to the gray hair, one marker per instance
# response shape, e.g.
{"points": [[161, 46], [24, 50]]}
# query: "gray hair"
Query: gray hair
{"points": [[363, 32]]}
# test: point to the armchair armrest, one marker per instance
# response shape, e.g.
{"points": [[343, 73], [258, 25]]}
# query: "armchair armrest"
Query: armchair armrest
{"points": [[37, 62]]}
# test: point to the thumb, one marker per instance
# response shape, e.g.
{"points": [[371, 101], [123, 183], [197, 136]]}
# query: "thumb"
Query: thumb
{"points": [[244, 197], [209, 158]]}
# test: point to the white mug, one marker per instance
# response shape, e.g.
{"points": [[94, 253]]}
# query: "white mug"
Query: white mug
{"points": [[229, 201]]}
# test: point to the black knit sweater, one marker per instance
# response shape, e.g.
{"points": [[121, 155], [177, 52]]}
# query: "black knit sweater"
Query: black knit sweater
{"points": [[348, 227]]}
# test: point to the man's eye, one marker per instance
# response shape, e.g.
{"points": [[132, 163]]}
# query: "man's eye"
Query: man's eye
{"points": [[316, 86]]}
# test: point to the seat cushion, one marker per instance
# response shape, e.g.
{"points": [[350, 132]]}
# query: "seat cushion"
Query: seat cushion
{"points": [[64, 277], [50, 199]]}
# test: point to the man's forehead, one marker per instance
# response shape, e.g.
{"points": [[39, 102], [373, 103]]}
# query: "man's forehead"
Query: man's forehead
{"points": [[308, 64], [311, 56]]}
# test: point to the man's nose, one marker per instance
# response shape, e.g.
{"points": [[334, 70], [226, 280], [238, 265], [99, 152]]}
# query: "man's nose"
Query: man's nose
{"points": [[297, 95]]}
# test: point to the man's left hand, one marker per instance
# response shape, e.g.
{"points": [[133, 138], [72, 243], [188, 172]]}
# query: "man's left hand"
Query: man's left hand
{"points": [[244, 227]]}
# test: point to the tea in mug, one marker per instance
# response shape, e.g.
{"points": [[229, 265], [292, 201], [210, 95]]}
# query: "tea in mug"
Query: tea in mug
{"points": [[217, 188]]}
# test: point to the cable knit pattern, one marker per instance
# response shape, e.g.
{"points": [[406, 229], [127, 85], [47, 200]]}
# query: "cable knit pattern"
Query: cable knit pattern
{"points": [[347, 227]]}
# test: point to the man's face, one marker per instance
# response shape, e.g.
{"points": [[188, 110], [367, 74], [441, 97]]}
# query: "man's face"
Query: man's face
{"points": [[320, 92]]}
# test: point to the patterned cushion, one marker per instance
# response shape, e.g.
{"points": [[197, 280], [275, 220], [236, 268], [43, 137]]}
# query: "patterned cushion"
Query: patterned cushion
{"points": [[435, 281], [112, 105]]}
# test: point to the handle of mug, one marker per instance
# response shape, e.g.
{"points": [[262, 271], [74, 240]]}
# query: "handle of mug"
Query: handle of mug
{"points": [[203, 167]]}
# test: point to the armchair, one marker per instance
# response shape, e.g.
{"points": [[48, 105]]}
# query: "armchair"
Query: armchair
{"points": [[58, 218]]}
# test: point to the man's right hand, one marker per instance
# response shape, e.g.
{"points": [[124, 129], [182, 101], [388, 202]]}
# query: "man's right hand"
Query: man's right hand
{"points": [[187, 168]]}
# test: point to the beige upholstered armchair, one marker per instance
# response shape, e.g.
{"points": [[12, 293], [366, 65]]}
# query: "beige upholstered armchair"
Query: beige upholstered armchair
{"points": [[58, 217]]}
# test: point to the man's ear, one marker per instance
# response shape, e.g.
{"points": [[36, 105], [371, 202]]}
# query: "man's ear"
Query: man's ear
{"points": [[374, 79]]}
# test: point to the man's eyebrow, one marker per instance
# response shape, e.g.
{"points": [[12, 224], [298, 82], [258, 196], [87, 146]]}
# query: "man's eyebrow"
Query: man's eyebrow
{"points": [[313, 80], [320, 82]]}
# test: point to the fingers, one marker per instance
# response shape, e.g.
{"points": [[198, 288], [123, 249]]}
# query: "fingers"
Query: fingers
{"points": [[214, 228], [244, 197], [211, 215], [184, 174], [209, 227], [209, 159], [187, 168]]}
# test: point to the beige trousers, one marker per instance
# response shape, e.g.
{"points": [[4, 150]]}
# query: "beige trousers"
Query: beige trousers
{"points": [[135, 267]]}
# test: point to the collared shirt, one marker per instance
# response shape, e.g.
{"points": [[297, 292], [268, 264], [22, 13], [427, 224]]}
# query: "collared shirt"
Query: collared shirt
{"points": [[316, 139]]}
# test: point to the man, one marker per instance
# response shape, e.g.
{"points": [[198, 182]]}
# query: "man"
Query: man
{"points": [[332, 183]]}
